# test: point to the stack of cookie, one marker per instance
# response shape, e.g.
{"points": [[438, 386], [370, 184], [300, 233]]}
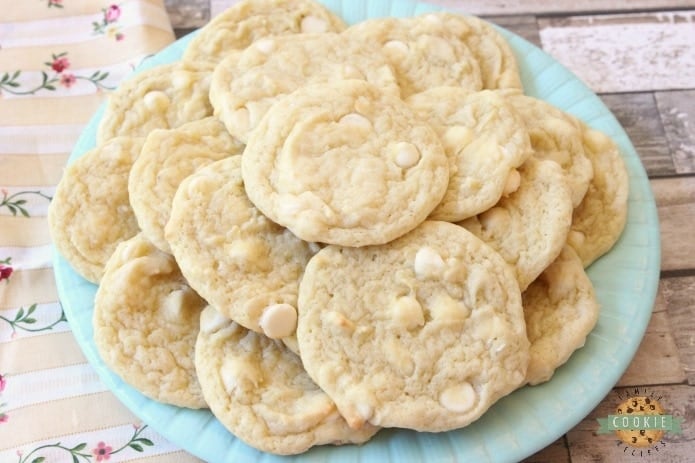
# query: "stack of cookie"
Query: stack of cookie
{"points": [[318, 230]]}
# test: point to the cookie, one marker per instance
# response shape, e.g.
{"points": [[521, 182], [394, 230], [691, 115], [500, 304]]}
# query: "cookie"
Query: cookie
{"points": [[146, 321], [599, 220], [249, 20], [260, 392], [90, 212], [557, 136], [162, 97], [232, 255], [167, 157], [560, 309], [530, 226], [640, 438], [496, 60], [425, 332], [422, 52], [245, 85], [361, 170], [484, 139]]}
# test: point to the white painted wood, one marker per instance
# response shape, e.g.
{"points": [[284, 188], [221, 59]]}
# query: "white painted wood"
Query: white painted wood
{"points": [[620, 53]]}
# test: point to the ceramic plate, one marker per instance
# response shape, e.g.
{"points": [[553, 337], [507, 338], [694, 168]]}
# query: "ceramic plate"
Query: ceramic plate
{"points": [[521, 423]]}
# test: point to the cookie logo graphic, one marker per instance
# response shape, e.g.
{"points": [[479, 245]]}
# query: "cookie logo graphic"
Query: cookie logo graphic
{"points": [[639, 406], [640, 423]]}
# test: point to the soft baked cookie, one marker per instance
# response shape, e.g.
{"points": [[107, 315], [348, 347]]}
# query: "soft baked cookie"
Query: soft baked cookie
{"points": [[90, 212], [530, 226], [422, 52], [162, 97], [498, 66], [167, 157], [484, 139], [361, 170], [560, 309], [425, 332], [246, 84], [556, 135], [249, 20], [146, 322], [599, 220], [260, 392], [236, 258]]}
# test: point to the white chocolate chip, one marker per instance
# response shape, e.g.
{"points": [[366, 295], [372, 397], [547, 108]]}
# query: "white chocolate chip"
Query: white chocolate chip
{"points": [[428, 263], [407, 312], [432, 18], [407, 155], [357, 120], [278, 320], [153, 264], [249, 254], [176, 304], [457, 137], [459, 398], [443, 307], [396, 46], [312, 24], [513, 182], [181, 80], [265, 45], [156, 100], [211, 320], [239, 374]]}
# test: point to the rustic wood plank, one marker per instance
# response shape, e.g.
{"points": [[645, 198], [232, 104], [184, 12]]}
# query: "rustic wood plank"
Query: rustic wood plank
{"points": [[625, 53], [677, 111], [639, 115], [657, 360], [586, 446], [675, 199], [557, 452], [510, 7], [188, 14], [679, 294], [524, 26]]}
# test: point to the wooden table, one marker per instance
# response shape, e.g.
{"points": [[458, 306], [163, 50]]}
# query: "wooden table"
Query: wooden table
{"points": [[639, 56]]}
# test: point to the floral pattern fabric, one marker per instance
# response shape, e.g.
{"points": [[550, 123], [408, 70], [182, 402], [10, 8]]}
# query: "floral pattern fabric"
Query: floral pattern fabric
{"points": [[43, 374]]}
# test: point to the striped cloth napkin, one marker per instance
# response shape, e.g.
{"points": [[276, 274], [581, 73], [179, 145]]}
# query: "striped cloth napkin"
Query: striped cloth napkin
{"points": [[58, 61]]}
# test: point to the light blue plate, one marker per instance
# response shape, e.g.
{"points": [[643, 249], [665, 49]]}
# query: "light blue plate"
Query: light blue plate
{"points": [[518, 425]]}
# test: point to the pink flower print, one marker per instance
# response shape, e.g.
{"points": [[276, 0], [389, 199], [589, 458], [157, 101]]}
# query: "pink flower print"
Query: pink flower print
{"points": [[60, 64], [3, 383], [67, 80], [4, 417], [112, 13], [58, 3], [119, 36], [5, 273], [102, 452]]}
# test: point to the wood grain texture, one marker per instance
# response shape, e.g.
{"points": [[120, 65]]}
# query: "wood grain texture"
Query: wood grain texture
{"points": [[523, 26], [679, 294], [621, 53], [188, 14], [677, 110], [508, 7], [639, 115], [657, 360], [675, 200]]}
